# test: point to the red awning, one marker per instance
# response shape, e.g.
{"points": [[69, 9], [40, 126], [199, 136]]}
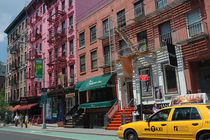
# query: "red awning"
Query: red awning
{"points": [[27, 107], [15, 108]]}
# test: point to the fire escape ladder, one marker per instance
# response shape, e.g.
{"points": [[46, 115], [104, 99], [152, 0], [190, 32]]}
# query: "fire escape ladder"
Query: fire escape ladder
{"points": [[124, 36]]}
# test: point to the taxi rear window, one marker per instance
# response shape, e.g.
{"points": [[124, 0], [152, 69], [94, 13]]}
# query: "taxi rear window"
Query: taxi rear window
{"points": [[208, 107]]}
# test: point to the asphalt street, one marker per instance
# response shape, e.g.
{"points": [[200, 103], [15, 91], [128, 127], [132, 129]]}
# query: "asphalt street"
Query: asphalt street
{"points": [[7, 135], [27, 134]]}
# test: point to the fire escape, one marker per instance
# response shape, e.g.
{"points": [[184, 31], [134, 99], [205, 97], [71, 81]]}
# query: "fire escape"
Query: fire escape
{"points": [[57, 61], [33, 53]]}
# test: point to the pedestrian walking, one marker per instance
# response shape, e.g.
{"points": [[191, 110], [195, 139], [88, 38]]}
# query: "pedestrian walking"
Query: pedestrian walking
{"points": [[21, 120], [16, 119], [26, 120]]}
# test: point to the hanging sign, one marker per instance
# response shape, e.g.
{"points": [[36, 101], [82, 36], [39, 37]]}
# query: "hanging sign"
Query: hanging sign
{"points": [[38, 69]]}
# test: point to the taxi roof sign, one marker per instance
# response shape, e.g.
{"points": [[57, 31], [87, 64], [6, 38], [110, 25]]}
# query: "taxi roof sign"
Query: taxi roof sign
{"points": [[197, 98]]}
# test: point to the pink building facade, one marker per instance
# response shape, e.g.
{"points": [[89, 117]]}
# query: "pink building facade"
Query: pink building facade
{"points": [[52, 38]]}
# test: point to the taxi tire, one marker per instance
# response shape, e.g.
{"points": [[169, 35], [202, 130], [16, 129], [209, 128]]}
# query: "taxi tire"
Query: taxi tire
{"points": [[204, 136], [131, 135]]}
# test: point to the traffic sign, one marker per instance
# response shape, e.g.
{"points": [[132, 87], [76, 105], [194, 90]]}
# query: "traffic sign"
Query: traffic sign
{"points": [[143, 77]]}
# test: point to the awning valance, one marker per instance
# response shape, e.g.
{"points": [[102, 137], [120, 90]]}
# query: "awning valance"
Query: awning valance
{"points": [[27, 107], [98, 104], [78, 84], [95, 82]]}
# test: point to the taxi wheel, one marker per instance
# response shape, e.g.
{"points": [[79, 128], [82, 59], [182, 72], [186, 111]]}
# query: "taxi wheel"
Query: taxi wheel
{"points": [[131, 135], [204, 136]]}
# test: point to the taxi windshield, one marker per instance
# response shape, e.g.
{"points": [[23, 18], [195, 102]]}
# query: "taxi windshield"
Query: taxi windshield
{"points": [[208, 107]]}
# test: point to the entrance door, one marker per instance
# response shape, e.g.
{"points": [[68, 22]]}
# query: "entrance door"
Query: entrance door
{"points": [[204, 77]]}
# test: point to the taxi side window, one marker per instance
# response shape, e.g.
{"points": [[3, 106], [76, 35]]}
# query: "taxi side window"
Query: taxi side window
{"points": [[186, 113], [161, 115]]}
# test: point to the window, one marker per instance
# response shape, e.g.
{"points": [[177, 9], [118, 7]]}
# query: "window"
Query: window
{"points": [[93, 34], [161, 115], [44, 8], [142, 41], [106, 27], [70, 3], [50, 79], [146, 86], [194, 23], [121, 18], [186, 113], [56, 11], [82, 63], [40, 28], [82, 40], [70, 22], [56, 30], [63, 5], [138, 8], [50, 57], [94, 60], [63, 27], [56, 53], [106, 55], [71, 47], [170, 79], [123, 48], [72, 73], [63, 50], [165, 33], [161, 3]]}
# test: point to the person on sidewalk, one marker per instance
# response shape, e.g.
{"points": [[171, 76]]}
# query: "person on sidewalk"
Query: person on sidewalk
{"points": [[26, 121], [16, 119], [21, 120]]}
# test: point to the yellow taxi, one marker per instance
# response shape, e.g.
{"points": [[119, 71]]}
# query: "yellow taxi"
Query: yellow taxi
{"points": [[185, 122]]}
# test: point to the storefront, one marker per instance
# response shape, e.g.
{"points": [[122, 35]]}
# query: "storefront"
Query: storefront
{"points": [[96, 96], [56, 104]]}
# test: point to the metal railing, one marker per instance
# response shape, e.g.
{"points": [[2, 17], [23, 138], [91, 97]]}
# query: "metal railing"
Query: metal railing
{"points": [[165, 38], [191, 32], [123, 116], [195, 28]]}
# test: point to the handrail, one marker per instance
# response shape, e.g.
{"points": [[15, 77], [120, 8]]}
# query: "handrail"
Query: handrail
{"points": [[113, 110], [123, 121]]}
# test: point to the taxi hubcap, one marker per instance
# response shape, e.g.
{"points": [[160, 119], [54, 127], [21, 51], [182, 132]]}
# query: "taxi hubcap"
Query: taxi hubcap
{"points": [[131, 137]]}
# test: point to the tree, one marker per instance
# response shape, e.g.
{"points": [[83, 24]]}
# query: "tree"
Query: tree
{"points": [[3, 104]]}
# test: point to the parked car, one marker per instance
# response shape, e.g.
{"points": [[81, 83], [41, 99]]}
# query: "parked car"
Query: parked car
{"points": [[187, 122]]}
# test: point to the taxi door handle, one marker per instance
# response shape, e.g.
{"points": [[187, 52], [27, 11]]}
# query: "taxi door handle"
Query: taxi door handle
{"points": [[163, 124], [194, 124]]}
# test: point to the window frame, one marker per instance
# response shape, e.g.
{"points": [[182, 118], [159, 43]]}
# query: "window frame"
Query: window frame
{"points": [[136, 4], [82, 40], [170, 109], [187, 21], [165, 80], [93, 57], [71, 47], [121, 18], [93, 34], [159, 7], [106, 27], [189, 116], [82, 64]]}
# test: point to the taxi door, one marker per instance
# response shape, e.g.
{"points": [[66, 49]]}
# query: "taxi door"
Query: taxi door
{"points": [[157, 125], [184, 124]]}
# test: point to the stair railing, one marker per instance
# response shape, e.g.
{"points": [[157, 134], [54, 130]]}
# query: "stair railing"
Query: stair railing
{"points": [[110, 114], [71, 112], [123, 116]]}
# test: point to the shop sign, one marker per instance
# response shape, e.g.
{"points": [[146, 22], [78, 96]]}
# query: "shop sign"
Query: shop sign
{"points": [[70, 95], [143, 77], [91, 83], [38, 69]]}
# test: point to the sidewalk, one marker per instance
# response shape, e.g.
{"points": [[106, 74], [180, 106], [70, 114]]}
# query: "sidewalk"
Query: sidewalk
{"points": [[54, 128]]}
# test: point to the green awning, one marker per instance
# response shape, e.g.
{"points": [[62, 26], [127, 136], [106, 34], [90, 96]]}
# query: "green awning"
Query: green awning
{"points": [[78, 84], [95, 82], [98, 104]]}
